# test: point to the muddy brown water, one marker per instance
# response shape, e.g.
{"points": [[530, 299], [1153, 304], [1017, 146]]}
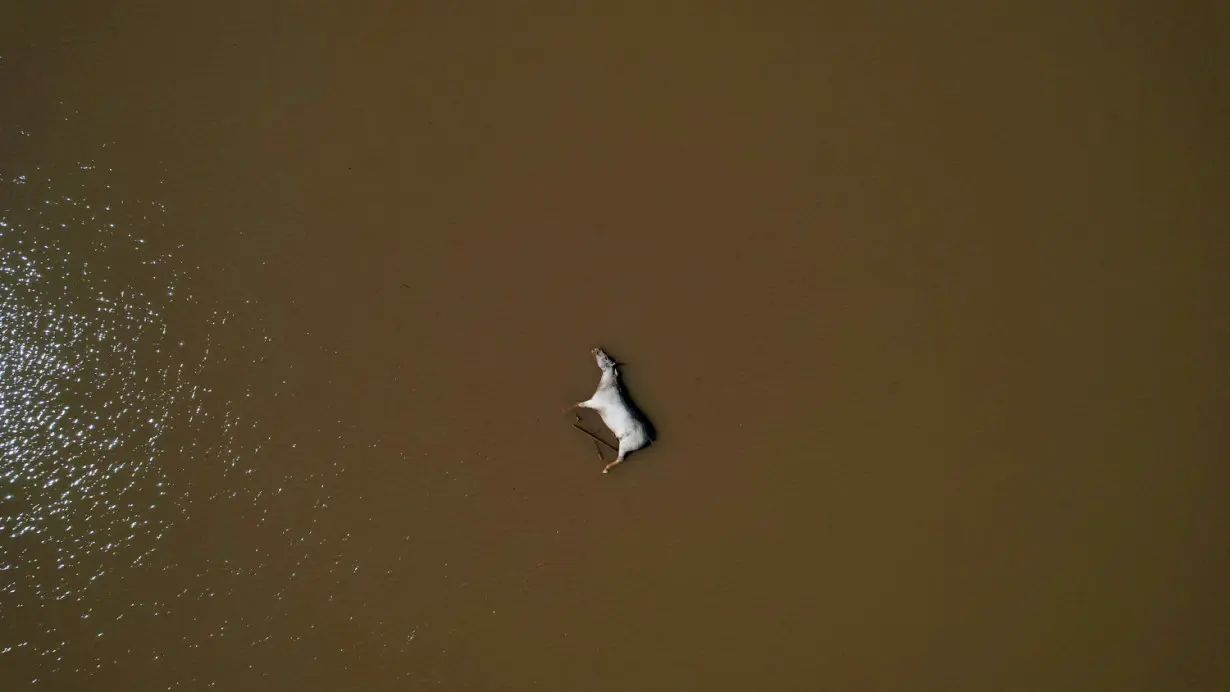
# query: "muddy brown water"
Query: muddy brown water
{"points": [[928, 306]]}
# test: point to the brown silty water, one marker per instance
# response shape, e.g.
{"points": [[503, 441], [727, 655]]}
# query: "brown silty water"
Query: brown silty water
{"points": [[927, 306]]}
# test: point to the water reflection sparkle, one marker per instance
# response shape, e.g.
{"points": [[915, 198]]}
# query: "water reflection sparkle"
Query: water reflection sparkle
{"points": [[102, 347]]}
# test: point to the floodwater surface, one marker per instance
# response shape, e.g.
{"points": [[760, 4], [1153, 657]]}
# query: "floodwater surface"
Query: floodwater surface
{"points": [[927, 307]]}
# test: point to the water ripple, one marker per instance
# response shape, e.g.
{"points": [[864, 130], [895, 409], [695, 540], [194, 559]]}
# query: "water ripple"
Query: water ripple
{"points": [[103, 398]]}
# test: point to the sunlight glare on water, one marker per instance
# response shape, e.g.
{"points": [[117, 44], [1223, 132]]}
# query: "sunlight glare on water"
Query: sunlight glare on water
{"points": [[105, 397]]}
